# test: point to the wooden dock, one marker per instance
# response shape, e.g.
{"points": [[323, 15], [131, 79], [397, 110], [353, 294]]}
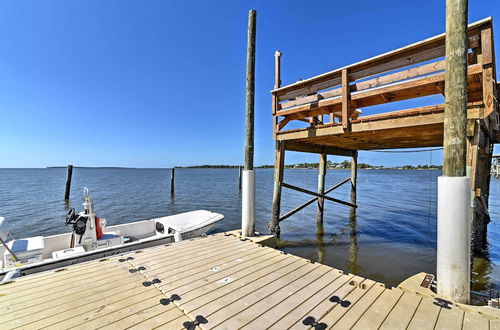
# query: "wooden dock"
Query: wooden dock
{"points": [[224, 282]]}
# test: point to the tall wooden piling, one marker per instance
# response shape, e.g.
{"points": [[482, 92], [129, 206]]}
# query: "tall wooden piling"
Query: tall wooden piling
{"points": [[250, 91], [453, 225], [279, 164], [321, 186], [248, 178], [69, 175], [354, 179], [455, 114], [172, 181]]}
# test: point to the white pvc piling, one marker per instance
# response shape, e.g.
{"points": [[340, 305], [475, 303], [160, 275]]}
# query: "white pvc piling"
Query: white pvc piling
{"points": [[248, 203], [453, 238]]}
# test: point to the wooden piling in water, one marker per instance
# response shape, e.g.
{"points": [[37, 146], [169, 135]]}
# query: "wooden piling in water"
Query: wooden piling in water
{"points": [[172, 182], [69, 175], [321, 186], [453, 216], [248, 175], [354, 179], [279, 164], [250, 91], [239, 177]]}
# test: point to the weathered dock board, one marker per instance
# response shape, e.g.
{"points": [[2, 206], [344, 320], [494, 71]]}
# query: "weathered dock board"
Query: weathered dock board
{"points": [[224, 282]]}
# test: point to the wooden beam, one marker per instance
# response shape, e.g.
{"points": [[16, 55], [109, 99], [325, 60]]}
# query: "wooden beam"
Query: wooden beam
{"points": [[346, 101], [307, 147], [413, 88], [372, 83], [282, 123], [305, 191], [486, 46]]}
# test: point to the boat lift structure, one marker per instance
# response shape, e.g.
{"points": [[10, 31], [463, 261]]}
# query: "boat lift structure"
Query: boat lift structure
{"points": [[322, 115]]}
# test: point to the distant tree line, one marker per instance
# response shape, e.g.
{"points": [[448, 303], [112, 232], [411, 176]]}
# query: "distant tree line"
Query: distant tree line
{"points": [[330, 165]]}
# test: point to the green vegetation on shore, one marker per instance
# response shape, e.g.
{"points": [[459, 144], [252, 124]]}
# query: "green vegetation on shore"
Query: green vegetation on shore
{"points": [[332, 166]]}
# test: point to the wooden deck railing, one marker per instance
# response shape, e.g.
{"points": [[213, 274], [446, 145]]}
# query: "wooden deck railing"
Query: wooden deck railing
{"points": [[410, 72]]}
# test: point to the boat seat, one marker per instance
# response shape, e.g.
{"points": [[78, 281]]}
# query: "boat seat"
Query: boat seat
{"points": [[26, 245], [109, 235], [109, 239]]}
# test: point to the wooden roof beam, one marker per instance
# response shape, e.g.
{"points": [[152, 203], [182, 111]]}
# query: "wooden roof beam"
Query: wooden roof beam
{"points": [[317, 149]]}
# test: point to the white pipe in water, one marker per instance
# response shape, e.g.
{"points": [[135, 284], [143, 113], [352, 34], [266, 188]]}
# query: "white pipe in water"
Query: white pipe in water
{"points": [[248, 203], [453, 238]]}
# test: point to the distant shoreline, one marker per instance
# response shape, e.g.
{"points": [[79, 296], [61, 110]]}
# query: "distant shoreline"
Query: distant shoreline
{"points": [[94, 167], [288, 167]]}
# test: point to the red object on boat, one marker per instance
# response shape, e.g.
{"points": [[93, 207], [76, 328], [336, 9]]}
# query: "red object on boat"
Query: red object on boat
{"points": [[98, 229]]}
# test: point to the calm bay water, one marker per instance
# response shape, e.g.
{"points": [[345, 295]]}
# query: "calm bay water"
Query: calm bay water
{"points": [[392, 237]]}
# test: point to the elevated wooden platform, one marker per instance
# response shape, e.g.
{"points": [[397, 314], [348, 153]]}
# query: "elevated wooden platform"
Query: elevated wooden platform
{"points": [[332, 114], [224, 282]]}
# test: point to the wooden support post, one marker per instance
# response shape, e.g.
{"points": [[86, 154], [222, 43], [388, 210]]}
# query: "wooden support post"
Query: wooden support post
{"points": [[69, 175], [346, 100], [279, 165], [248, 175], [478, 164], [489, 79], [321, 186], [172, 182], [354, 178], [455, 114], [277, 84], [277, 69], [453, 220]]}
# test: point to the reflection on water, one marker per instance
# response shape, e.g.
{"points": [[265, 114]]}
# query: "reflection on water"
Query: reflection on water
{"points": [[353, 243], [320, 233], [481, 271], [391, 236]]}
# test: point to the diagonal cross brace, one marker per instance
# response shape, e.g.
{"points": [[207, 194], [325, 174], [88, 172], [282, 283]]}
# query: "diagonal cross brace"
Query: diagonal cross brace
{"points": [[309, 202]]}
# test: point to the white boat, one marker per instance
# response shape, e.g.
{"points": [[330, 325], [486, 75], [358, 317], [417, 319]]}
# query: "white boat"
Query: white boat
{"points": [[91, 239]]}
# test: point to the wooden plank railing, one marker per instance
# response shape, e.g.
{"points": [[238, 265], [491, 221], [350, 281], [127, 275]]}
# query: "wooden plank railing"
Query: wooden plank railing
{"points": [[390, 77]]}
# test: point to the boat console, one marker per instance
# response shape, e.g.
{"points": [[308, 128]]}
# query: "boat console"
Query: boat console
{"points": [[88, 230]]}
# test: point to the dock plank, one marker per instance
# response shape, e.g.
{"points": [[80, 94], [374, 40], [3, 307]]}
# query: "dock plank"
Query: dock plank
{"points": [[248, 308], [474, 321], [402, 313], [305, 307], [227, 286], [357, 310], [339, 310], [450, 318], [240, 298], [426, 315], [290, 304], [380, 309], [326, 305]]}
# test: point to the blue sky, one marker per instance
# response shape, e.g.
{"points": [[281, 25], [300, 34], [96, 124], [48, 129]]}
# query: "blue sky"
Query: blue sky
{"points": [[162, 83]]}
